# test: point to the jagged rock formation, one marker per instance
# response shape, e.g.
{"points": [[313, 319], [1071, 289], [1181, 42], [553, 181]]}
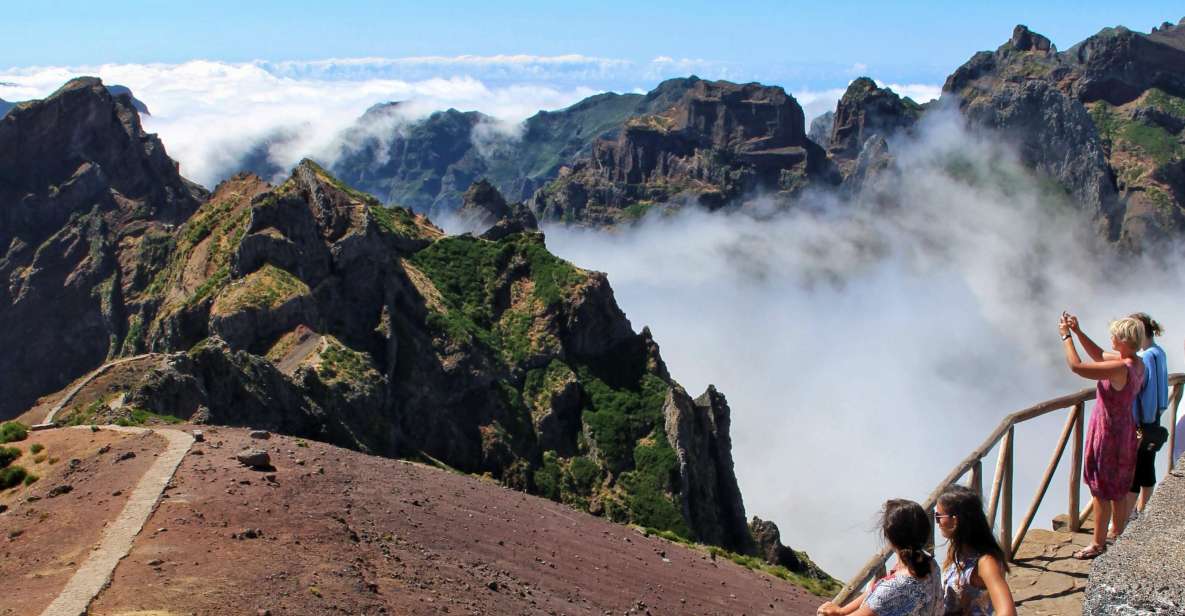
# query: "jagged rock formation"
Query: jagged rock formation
{"points": [[427, 164], [820, 130], [137, 104], [309, 308], [88, 203], [698, 431], [485, 209], [866, 111], [1103, 119], [483, 205], [769, 546], [322, 313], [720, 141]]}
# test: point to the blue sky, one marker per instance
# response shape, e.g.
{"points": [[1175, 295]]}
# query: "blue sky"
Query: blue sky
{"points": [[220, 76], [811, 43]]}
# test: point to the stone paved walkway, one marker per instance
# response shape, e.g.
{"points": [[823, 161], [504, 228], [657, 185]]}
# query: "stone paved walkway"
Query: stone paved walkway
{"points": [[1045, 579], [96, 373], [117, 539]]}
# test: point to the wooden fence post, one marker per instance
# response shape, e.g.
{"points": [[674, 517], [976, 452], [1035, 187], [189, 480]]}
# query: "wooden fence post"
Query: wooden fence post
{"points": [[1056, 459], [998, 479], [1006, 494], [1076, 467], [1173, 404], [976, 482]]}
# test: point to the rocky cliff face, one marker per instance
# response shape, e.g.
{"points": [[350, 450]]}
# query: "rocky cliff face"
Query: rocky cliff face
{"points": [[1103, 119], [866, 111], [88, 202], [428, 164], [719, 141], [310, 309]]}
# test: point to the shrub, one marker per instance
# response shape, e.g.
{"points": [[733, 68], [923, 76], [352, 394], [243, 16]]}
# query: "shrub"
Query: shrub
{"points": [[36, 448], [12, 476], [7, 455], [30, 479], [12, 431], [140, 417]]}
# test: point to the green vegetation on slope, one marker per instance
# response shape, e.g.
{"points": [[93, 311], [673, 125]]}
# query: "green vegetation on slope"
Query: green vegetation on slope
{"points": [[266, 288], [341, 363], [1118, 132], [396, 220], [648, 486], [468, 271], [619, 416], [12, 431]]}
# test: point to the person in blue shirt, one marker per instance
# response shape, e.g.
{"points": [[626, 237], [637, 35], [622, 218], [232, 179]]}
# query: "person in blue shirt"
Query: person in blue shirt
{"points": [[1152, 400]]}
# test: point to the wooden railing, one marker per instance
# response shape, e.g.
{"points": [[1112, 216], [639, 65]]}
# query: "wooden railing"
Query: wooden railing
{"points": [[1002, 483]]}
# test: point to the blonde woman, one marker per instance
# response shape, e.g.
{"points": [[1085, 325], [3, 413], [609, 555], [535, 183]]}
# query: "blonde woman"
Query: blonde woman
{"points": [[1110, 463]]}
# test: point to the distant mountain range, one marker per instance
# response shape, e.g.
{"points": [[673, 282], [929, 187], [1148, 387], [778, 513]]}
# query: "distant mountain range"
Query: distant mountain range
{"points": [[1103, 120], [310, 309]]}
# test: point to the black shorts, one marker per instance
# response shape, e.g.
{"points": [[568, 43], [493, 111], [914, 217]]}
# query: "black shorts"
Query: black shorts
{"points": [[1145, 470]]}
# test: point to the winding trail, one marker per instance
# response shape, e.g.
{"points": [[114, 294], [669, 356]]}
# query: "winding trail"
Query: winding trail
{"points": [[116, 542], [96, 373]]}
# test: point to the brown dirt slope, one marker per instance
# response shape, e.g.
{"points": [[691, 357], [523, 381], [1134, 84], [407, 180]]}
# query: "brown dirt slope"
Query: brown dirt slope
{"points": [[43, 538], [343, 532]]}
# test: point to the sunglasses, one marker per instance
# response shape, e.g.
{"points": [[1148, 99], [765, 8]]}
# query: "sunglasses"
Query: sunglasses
{"points": [[939, 516]]}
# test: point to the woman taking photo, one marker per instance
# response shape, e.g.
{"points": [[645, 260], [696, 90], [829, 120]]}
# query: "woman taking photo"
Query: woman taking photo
{"points": [[1110, 463], [912, 588], [973, 575]]}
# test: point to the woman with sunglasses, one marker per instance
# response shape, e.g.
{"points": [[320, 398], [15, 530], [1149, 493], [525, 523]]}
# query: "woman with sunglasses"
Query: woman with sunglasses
{"points": [[973, 581]]}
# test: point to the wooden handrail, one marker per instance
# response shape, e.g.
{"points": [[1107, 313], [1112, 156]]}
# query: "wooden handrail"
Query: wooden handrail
{"points": [[1001, 496]]}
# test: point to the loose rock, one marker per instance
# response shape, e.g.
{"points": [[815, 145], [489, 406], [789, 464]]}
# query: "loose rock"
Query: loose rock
{"points": [[254, 458]]}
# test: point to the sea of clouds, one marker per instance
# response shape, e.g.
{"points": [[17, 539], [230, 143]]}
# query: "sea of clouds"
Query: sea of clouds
{"points": [[864, 345], [213, 115]]}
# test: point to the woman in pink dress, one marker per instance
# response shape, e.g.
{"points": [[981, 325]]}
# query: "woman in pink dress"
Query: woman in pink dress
{"points": [[1110, 462]]}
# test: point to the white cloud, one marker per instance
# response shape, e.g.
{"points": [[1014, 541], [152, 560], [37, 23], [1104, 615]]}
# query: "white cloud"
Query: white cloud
{"points": [[209, 114], [866, 349]]}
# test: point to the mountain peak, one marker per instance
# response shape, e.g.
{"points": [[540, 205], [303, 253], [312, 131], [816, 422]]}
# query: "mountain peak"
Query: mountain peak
{"points": [[1024, 39]]}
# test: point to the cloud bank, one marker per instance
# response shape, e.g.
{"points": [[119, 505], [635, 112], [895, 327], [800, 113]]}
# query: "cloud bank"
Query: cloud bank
{"points": [[867, 346], [212, 116]]}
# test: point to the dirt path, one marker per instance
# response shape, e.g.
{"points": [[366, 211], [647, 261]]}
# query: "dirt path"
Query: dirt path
{"points": [[96, 373], [117, 539]]}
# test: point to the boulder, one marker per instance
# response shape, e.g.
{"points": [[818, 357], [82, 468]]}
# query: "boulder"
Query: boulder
{"points": [[254, 458]]}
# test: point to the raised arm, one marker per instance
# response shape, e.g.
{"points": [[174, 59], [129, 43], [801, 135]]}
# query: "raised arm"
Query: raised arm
{"points": [[1095, 352], [1114, 369]]}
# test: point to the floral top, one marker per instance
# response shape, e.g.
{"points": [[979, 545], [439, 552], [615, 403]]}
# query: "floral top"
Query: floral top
{"points": [[901, 594], [959, 596]]}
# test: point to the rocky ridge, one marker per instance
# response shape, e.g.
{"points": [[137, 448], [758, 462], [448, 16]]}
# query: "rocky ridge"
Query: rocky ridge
{"points": [[719, 141], [428, 164], [308, 308], [89, 201], [1102, 119]]}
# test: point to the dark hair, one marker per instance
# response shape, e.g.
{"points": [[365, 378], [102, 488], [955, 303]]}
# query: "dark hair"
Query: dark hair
{"points": [[1151, 327], [972, 533], [907, 528]]}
